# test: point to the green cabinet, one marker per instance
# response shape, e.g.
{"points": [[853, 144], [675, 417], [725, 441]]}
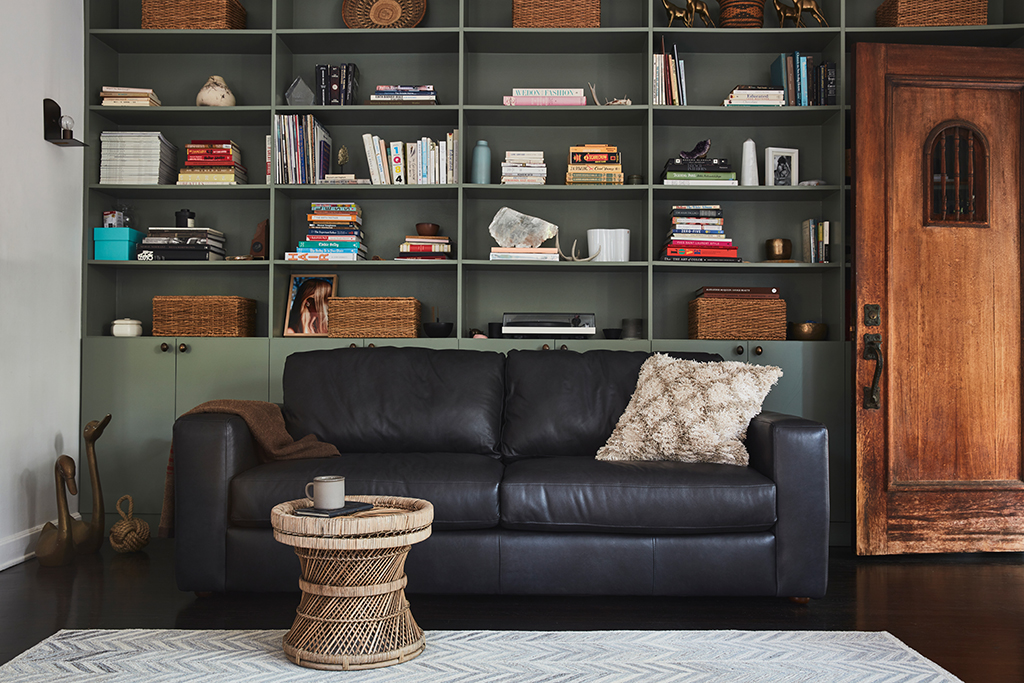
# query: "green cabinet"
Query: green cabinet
{"points": [[145, 383]]}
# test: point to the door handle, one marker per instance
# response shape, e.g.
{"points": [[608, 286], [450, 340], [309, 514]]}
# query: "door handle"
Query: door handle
{"points": [[873, 351], [183, 347]]}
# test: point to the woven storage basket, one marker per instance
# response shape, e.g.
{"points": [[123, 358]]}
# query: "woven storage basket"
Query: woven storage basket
{"points": [[192, 14], [737, 318], [203, 316], [932, 13], [556, 14], [354, 316]]}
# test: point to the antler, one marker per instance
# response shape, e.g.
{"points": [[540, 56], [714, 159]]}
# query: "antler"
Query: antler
{"points": [[574, 257]]}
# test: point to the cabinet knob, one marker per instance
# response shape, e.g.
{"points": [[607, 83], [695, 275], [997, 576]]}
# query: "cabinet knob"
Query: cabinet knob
{"points": [[371, 346], [563, 347], [546, 347], [164, 347], [758, 350], [183, 347], [353, 346], [739, 350]]}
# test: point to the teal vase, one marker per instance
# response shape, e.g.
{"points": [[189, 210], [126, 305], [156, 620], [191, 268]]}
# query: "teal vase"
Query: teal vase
{"points": [[482, 163]]}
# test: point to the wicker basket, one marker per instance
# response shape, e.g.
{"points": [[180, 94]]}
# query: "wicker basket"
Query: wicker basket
{"points": [[356, 317], [737, 318], [932, 13], [556, 14], [192, 14], [204, 316]]}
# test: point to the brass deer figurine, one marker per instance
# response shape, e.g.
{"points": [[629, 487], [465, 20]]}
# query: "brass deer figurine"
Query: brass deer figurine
{"points": [[795, 12], [56, 546], [89, 537], [686, 16]]}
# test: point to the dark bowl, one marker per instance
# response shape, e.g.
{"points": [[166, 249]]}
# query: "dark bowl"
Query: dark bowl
{"points": [[427, 229], [612, 332], [439, 330], [807, 331]]}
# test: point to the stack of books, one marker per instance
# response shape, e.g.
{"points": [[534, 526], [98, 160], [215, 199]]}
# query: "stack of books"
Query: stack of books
{"points": [[117, 96], [755, 96], [423, 162], [803, 83], [212, 162], [425, 248], [738, 293], [303, 149], [182, 244], [524, 254], [698, 172], [132, 157], [336, 84], [669, 78], [404, 94], [524, 168], [698, 234], [594, 164], [545, 97], [816, 241], [334, 233]]}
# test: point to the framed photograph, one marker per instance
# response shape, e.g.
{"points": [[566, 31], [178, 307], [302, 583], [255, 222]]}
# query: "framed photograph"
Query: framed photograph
{"points": [[781, 166], [306, 312]]}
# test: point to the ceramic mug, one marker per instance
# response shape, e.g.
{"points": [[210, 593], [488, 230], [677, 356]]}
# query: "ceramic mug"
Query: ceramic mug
{"points": [[328, 492], [613, 242]]}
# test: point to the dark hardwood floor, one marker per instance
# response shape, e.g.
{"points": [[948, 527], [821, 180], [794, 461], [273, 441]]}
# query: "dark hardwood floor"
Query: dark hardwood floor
{"points": [[965, 612]]}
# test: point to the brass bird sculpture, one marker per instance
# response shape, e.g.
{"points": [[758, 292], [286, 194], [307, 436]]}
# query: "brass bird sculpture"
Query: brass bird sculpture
{"points": [[56, 546], [89, 537]]}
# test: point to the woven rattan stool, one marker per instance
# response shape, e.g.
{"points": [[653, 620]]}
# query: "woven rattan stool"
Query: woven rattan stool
{"points": [[353, 613]]}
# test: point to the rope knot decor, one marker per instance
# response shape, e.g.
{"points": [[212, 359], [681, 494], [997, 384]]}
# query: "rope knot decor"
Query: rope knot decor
{"points": [[129, 535]]}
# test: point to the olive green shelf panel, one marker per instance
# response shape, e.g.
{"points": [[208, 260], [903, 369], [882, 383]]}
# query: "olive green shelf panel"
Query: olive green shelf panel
{"points": [[363, 266], [669, 266], [554, 191], [590, 115], [689, 193], [709, 115], [1006, 35], [369, 41], [185, 116], [370, 191], [600, 266], [182, 265], [253, 191], [723, 40], [150, 41], [368, 115], [556, 41]]}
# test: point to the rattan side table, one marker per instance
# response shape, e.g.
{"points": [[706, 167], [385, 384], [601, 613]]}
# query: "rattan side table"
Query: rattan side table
{"points": [[353, 613]]}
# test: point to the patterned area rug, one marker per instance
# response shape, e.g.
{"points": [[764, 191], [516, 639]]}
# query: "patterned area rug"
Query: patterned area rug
{"points": [[487, 656]]}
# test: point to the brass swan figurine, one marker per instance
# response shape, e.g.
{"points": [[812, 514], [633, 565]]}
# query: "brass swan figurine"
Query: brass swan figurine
{"points": [[89, 537], [56, 545]]}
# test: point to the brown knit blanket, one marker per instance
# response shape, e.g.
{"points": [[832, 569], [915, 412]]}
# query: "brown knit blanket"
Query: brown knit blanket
{"points": [[270, 438]]}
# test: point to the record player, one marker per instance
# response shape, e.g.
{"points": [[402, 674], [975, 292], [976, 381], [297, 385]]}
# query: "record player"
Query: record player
{"points": [[561, 325]]}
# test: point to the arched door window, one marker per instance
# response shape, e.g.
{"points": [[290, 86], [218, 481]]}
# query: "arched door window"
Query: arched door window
{"points": [[956, 168]]}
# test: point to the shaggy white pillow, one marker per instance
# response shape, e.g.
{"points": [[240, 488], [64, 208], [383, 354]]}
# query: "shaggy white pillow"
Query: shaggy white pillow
{"points": [[690, 411]]}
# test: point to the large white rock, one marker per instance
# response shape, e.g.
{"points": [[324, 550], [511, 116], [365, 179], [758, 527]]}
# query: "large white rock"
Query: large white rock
{"points": [[509, 228]]}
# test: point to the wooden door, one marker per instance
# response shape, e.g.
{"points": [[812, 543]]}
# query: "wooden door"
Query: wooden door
{"points": [[937, 213]]}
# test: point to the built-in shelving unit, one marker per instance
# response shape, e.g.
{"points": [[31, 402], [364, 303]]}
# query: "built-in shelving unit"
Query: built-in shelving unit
{"points": [[469, 51]]}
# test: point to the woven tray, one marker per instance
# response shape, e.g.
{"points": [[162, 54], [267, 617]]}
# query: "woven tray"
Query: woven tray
{"points": [[203, 316], [932, 13], [355, 317], [192, 14], [737, 318], [556, 14]]}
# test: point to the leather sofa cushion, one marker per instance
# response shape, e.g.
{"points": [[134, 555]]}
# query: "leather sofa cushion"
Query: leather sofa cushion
{"points": [[583, 494], [567, 403], [396, 400], [462, 487]]}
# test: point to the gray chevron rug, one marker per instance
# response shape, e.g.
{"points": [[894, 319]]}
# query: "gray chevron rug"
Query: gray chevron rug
{"points": [[487, 657]]}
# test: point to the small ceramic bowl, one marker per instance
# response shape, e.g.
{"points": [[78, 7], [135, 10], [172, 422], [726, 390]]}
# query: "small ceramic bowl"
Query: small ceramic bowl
{"points": [[427, 229], [439, 330], [807, 331], [612, 332]]}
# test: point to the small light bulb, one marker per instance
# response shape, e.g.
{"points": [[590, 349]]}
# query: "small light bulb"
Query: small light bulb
{"points": [[67, 123]]}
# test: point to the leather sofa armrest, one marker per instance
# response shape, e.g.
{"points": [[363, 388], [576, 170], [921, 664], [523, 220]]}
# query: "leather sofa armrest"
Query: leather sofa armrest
{"points": [[793, 452], [209, 450]]}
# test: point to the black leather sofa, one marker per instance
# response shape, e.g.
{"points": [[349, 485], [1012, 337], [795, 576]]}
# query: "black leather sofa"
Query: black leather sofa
{"points": [[503, 446]]}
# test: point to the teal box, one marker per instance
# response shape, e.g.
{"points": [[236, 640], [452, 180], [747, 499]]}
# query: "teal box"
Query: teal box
{"points": [[115, 244]]}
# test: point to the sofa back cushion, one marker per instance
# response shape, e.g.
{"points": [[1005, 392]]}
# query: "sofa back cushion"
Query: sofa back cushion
{"points": [[396, 400], [567, 403]]}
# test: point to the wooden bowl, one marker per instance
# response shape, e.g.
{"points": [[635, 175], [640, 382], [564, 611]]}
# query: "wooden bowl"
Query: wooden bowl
{"points": [[427, 229]]}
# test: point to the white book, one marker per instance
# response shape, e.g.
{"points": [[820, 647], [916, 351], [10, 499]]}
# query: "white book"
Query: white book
{"points": [[397, 159], [523, 257], [702, 183], [455, 156], [442, 162], [411, 170], [371, 158], [547, 92]]}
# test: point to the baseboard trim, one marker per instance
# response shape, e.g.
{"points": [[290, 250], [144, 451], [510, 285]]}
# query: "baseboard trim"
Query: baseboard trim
{"points": [[21, 547]]}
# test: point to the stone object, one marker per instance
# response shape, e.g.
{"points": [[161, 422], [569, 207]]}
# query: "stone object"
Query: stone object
{"points": [[509, 228], [215, 93], [299, 94]]}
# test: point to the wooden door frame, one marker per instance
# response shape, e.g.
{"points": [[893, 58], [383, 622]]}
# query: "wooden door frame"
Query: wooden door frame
{"points": [[873, 65]]}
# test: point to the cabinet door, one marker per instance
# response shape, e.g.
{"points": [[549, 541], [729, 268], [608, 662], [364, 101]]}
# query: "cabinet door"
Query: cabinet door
{"points": [[504, 345], [728, 349], [133, 380], [221, 367]]}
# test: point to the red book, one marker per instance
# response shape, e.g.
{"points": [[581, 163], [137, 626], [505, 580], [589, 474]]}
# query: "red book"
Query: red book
{"points": [[712, 244], [690, 251], [595, 158]]}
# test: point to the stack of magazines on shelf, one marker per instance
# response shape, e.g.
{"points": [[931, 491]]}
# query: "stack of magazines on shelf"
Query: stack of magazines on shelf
{"points": [[182, 244], [425, 248], [130, 157], [303, 148], [524, 168], [404, 94], [117, 96], [213, 162], [334, 232], [698, 235]]}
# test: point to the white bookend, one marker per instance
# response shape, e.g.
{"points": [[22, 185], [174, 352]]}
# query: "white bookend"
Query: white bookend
{"points": [[371, 158]]}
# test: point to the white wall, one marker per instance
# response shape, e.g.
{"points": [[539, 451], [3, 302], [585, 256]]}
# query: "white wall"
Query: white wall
{"points": [[40, 264]]}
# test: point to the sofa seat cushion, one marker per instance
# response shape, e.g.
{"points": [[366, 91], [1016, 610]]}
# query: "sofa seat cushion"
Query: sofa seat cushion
{"points": [[462, 487], [566, 493]]}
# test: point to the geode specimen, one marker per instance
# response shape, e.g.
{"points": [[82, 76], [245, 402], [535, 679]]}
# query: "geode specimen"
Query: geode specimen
{"points": [[509, 228]]}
